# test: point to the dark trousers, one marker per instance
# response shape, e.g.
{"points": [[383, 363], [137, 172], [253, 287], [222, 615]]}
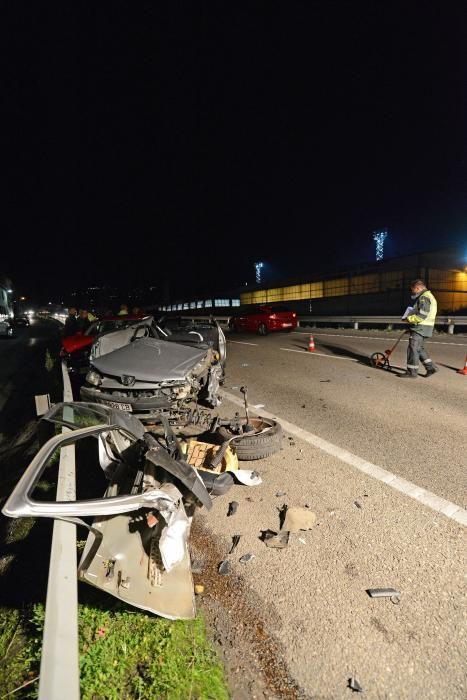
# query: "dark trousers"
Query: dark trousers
{"points": [[416, 352]]}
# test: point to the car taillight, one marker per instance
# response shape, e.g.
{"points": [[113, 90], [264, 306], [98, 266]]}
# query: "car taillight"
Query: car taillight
{"points": [[294, 315], [272, 317]]}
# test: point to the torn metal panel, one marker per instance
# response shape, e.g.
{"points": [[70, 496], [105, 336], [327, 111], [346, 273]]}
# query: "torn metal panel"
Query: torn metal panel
{"points": [[126, 563]]}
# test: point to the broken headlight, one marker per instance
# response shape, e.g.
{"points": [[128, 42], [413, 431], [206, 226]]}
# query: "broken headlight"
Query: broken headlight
{"points": [[93, 377]]}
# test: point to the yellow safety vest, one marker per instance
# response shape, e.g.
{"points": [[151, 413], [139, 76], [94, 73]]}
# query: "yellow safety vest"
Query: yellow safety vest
{"points": [[424, 322]]}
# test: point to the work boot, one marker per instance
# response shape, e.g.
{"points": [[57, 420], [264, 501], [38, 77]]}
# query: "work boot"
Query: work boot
{"points": [[431, 370], [408, 375]]}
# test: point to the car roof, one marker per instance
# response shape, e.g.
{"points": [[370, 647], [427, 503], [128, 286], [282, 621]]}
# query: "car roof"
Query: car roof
{"points": [[124, 317]]}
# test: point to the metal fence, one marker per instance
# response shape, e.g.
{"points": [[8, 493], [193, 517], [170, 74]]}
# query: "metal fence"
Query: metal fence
{"points": [[59, 673]]}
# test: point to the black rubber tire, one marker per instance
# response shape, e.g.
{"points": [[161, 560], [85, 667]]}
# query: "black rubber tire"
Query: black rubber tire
{"points": [[253, 447], [262, 329]]}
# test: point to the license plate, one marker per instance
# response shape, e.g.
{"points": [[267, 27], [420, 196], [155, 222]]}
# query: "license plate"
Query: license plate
{"points": [[286, 325], [117, 404]]}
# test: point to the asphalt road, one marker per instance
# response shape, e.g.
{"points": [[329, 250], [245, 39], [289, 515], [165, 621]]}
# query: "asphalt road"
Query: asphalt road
{"points": [[23, 374], [368, 534]]}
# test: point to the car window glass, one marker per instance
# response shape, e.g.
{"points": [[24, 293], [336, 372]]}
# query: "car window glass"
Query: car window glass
{"points": [[79, 415]]}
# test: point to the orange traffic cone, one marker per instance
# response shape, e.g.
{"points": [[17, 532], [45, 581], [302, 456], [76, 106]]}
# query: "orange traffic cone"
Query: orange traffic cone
{"points": [[311, 344], [464, 369]]}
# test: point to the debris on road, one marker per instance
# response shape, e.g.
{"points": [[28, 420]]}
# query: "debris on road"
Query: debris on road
{"points": [[324, 381], [246, 558], [300, 539], [199, 589], [383, 593], [224, 568], [197, 566], [281, 493], [355, 685], [357, 504], [233, 505], [244, 364], [276, 540], [235, 541], [297, 519], [258, 405]]}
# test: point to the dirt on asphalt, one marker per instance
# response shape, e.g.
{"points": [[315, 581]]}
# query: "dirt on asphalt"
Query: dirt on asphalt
{"points": [[253, 659]]}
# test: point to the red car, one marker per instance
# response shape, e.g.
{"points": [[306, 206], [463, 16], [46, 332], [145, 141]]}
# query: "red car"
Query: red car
{"points": [[265, 319]]}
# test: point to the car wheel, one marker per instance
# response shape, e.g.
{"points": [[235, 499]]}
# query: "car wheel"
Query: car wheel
{"points": [[266, 442], [262, 329]]}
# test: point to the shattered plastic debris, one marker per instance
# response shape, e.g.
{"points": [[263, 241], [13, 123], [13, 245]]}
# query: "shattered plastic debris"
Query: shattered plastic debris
{"points": [[281, 493], [297, 519], [300, 539], [199, 589], [383, 593], [197, 566], [247, 477], [233, 505], [357, 504], [246, 558], [276, 540], [235, 541], [258, 405], [355, 685], [224, 568]]}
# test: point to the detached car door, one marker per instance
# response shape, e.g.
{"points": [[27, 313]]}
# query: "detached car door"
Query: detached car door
{"points": [[137, 547]]}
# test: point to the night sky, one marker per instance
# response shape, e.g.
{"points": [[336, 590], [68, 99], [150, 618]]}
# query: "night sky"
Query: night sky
{"points": [[176, 145]]}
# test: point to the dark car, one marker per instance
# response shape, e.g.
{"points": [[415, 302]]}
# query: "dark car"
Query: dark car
{"points": [[21, 320], [264, 320]]}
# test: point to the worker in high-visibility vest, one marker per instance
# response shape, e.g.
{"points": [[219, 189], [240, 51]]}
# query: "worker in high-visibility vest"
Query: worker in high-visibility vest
{"points": [[422, 322]]}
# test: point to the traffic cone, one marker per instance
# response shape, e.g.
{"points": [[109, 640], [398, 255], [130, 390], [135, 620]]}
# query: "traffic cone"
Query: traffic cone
{"points": [[311, 344], [464, 369]]}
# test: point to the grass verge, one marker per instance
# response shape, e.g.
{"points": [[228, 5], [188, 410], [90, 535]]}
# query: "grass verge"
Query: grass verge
{"points": [[125, 654]]}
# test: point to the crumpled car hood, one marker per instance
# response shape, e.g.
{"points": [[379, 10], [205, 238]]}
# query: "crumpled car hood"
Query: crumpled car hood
{"points": [[150, 360]]}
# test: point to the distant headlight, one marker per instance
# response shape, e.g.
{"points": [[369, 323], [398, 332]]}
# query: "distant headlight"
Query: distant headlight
{"points": [[93, 378]]}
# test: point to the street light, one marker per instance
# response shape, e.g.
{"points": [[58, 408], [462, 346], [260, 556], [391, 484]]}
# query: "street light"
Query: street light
{"points": [[258, 267]]}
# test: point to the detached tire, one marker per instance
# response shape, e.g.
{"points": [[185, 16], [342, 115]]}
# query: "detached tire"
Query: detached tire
{"points": [[251, 447]]}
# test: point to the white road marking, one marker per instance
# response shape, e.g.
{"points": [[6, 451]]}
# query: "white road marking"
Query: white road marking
{"points": [[240, 342], [440, 505], [321, 354], [371, 337]]}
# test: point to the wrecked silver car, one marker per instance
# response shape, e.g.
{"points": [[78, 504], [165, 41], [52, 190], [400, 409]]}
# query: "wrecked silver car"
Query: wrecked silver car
{"points": [[147, 371], [137, 546]]}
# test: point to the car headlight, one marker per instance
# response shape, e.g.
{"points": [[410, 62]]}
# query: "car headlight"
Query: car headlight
{"points": [[93, 378]]}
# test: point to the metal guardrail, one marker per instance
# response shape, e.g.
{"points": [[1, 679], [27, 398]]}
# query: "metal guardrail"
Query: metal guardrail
{"points": [[449, 321], [59, 673]]}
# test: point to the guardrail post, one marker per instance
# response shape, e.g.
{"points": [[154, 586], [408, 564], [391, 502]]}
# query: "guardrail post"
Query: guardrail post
{"points": [[59, 674], [355, 325], [451, 329]]}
